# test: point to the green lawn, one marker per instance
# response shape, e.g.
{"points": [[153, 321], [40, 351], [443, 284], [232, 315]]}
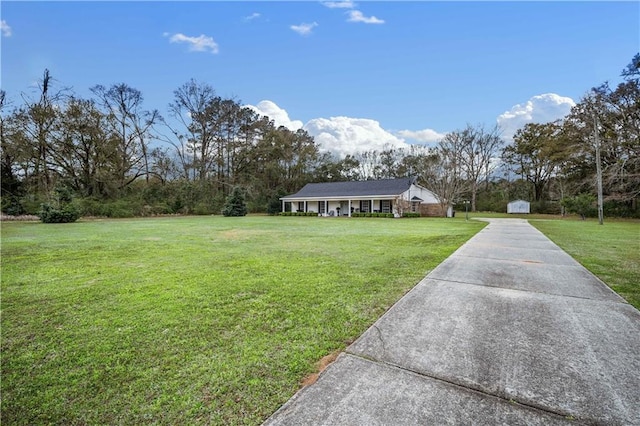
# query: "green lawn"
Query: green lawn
{"points": [[611, 251], [193, 320]]}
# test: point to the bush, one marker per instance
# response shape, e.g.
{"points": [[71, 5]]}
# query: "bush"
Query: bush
{"points": [[582, 204], [66, 214], [12, 207], [62, 211], [235, 205], [620, 209], [203, 209], [546, 207], [410, 214]]}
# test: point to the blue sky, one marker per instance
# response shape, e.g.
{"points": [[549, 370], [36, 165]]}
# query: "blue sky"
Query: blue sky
{"points": [[363, 75]]}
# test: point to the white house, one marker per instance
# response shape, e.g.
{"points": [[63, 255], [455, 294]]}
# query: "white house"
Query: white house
{"points": [[371, 196], [519, 206]]}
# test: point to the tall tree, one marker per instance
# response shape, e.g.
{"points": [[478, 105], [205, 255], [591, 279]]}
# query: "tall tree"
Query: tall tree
{"points": [[617, 114], [86, 150], [446, 176], [132, 124], [36, 121], [193, 106], [478, 156], [536, 154]]}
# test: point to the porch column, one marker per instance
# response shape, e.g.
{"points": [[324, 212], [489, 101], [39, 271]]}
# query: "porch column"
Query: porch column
{"points": [[305, 206], [373, 207], [283, 204], [349, 208]]}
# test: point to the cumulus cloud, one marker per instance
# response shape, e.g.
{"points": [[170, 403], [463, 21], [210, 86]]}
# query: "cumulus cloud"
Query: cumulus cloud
{"points": [[202, 43], [347, 4], [346, 135], [279, 116], [424, 136], [304, 29], [5, 28], [538, 109], [357, 16]]}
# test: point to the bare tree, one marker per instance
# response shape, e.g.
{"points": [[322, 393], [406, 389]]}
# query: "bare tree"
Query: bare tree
{"points": [[191, 107], [123, 104], [38, 118], [478, 156], [446, 176]]}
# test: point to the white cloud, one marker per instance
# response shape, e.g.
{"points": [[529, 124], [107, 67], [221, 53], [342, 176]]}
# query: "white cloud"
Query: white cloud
{"points": [[346, 135], [304, 29], [202, 43], [347, 4], [424, 136], [5, 28], [251, 17], [279, 116], [538, 109], [357, 16]]}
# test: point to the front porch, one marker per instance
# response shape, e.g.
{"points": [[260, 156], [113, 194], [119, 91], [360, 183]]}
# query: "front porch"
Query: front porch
{"points": [[346, 207]]}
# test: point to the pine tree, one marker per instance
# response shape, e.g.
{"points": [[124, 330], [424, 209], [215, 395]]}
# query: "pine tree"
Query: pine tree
{"points": [[235, 204]]}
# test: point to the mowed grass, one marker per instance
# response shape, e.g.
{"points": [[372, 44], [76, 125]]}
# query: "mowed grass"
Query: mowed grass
{"points": [[610, 251], [196, 320]]}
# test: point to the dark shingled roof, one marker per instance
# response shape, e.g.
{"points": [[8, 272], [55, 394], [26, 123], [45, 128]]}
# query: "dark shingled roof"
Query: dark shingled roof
{"points": [[353, 189]]}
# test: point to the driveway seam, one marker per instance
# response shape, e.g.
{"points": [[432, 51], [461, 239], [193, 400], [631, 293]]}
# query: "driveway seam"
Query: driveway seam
{"points": [[564, 416], [621, 301]]}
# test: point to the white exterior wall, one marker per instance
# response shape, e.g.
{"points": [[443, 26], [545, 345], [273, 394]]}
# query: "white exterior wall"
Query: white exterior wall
{"points": [[424, 194], [427, 196]]}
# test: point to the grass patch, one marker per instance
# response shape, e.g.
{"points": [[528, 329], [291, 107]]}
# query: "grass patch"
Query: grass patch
{"points": [[196, 320], [610, 251]]}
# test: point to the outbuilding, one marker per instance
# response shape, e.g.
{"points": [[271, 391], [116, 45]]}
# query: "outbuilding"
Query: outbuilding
{"points": [[519, 206]]}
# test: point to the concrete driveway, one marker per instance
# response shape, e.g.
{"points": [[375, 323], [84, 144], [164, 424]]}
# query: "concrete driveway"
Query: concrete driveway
{"points": [[508, 330]]}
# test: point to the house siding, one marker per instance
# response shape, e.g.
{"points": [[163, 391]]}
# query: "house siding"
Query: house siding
{"points": [[365, 197]]}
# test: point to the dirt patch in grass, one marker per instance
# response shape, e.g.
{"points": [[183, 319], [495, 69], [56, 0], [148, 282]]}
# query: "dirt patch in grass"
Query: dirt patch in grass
{"points": [[321, 365]]}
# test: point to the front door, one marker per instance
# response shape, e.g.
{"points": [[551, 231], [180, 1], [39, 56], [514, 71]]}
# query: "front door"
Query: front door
{"points": [[344, 208]]}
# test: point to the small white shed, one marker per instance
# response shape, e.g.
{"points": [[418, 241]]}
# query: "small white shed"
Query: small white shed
{"points": [[519, 206]]}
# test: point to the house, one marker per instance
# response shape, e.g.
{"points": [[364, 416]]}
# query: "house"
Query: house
{"points": [[395, 196], [519, 206]]}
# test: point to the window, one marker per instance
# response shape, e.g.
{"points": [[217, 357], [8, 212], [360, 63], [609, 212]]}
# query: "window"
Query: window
{"points": [[415, 206], [385, 206], [300, 206], [364, 206], [321, 207]]}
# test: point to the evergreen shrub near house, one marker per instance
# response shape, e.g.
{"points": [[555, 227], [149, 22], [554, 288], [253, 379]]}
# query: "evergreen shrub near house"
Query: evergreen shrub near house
{"points": [[410, 214]]}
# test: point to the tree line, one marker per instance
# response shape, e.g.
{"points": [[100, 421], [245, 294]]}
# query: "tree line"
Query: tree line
{"points": [[113, 157]]}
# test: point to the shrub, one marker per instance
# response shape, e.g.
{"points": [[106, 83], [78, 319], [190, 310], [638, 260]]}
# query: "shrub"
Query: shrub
{"points": [[582, 204], [203, 209], [546, 207], [235, 205], [620, 209], [66, 214], [63, 211], [410, 214]]}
